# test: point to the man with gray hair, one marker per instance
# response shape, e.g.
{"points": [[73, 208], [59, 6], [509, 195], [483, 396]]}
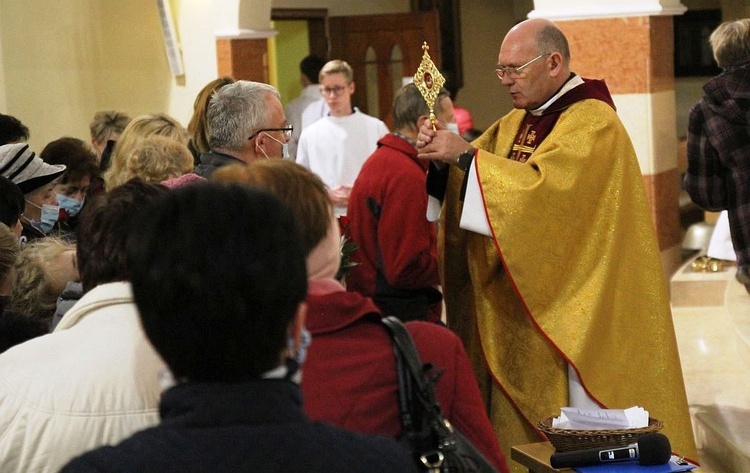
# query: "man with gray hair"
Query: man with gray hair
{"points": [[246, 122], [718, 139]]}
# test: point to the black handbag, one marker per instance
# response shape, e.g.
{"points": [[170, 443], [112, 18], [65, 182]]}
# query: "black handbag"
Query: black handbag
{"points": [[435, 445]]}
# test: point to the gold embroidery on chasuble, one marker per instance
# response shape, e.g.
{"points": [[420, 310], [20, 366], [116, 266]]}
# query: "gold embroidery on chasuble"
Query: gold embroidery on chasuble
{"points": [[530, 135]]}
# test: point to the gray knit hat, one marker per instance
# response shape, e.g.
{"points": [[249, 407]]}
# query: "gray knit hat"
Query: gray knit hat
{"points": [[25, 169]]}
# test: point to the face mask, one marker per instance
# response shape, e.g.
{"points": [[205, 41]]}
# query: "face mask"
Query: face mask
{"points": [[71, 205], [452, 127], [284, 147], [50, 214]]}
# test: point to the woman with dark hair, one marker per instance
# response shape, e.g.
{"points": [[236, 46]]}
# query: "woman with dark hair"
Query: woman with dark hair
{"points": [[73, 186]]}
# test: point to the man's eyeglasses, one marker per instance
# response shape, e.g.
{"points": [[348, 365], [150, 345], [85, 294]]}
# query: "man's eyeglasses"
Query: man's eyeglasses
{"points": [[287, 131], [336, 91], [516, 72]]}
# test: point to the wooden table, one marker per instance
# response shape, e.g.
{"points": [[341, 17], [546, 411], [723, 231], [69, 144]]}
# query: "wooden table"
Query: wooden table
{"points": [[535, 457]]}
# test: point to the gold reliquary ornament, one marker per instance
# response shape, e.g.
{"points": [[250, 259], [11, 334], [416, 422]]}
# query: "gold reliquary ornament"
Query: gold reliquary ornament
{"points": [[429, 81]]}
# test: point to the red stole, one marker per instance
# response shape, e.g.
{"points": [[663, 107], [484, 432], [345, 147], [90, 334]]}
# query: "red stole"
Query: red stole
{"points": [[534, 129]]}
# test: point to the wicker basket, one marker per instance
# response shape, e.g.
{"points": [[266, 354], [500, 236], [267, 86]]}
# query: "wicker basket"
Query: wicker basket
{"points": [[565, 440]]}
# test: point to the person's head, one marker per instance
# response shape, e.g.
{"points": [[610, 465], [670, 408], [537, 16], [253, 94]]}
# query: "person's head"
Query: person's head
{"points": [[35, 178], [12, 205], [141, 127], [337, 86], [12, 130], [9, 249], [730, 42], [101, 234], [198, 126], [106, 125], [153, 159], [534, 62], [218, 309], [246, 120], [305, 194], [410, 110], [81, 168], [43, 268], [309, 68]]}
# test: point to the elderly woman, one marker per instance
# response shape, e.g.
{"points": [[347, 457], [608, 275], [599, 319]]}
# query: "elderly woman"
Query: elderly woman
{"points": [[43, 269], [37, 180], [153, 160], [350, 371]]}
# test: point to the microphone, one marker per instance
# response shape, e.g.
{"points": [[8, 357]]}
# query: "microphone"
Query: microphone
{"points": [[649, 449]]}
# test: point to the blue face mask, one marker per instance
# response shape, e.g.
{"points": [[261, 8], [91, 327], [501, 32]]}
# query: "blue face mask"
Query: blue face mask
{"points": [[71, 205], [50, 214]]}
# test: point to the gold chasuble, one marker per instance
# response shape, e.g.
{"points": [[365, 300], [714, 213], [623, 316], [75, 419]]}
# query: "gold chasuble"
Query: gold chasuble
{"points": [[571, 274]]}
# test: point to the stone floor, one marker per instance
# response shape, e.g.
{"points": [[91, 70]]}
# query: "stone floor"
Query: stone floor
{"points": [[711, 313]]}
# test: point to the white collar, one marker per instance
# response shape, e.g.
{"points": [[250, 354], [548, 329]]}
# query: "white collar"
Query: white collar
{"points": [[572, 83]]}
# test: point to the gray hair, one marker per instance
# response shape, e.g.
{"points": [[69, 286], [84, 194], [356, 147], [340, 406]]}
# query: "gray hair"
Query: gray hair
{"points": [[730, 42], [236, 111], [409, 105], [551, 39]]}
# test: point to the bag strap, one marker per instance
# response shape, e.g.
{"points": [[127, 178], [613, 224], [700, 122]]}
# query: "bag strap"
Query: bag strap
{"points": [[405, 345], [411, 372], [412, 376]]}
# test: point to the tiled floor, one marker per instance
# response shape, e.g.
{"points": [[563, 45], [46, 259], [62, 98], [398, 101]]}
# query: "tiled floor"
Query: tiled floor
{"points": [[711, 313]]}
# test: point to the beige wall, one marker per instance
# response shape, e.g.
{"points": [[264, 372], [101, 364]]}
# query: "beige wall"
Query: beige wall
{"points": [[63, 60], [484, 24]]}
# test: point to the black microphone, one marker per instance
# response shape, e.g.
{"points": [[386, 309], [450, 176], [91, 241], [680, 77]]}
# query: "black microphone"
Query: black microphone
{"points": [[649, 449]]}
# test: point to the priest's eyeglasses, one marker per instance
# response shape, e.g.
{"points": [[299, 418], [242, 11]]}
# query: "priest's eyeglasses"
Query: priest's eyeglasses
{"points": [[287, 131], [516, 72]]}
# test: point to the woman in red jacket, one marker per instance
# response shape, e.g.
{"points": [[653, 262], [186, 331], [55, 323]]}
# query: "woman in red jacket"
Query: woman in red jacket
{"points": [[350, 371]]}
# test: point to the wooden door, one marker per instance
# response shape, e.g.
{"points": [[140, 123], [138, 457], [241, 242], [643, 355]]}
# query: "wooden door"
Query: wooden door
{"points": [[382, 49]]}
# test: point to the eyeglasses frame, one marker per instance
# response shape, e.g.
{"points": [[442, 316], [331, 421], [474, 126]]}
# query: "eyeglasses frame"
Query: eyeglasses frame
{"points": [[288, 131], [337, 91], [501, 72]]}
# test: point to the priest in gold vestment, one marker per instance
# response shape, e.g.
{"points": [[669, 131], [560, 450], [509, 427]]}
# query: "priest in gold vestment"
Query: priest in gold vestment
{"points": [[550, 265]]}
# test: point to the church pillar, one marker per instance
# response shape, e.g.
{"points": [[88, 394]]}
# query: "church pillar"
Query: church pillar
{"points": [[242, 39], [630, 44]]}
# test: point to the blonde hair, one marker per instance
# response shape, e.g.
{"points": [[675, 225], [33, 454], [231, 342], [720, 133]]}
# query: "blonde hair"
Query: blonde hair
{"points": [[154, 159], [37, 283], [198, 126], [141, 127], [296, 186], [730, 42], [337, 66], [9, 249]]}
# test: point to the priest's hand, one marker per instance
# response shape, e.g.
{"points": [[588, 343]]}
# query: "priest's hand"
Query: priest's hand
{"points": [[440, 146]]}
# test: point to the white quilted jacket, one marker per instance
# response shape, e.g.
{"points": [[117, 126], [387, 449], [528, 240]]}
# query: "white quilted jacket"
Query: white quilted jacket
{"points": [[93, 381]]}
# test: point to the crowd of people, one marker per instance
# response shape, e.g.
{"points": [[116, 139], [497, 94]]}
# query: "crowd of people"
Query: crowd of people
{"points": [[171, 297]]}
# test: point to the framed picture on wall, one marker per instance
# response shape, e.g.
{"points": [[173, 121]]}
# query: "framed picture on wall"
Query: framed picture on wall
{"points": [[692, 52]]}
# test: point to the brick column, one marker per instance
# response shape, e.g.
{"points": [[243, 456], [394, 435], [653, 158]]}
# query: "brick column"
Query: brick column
{"points": [[631, 46], [245, 59]]}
